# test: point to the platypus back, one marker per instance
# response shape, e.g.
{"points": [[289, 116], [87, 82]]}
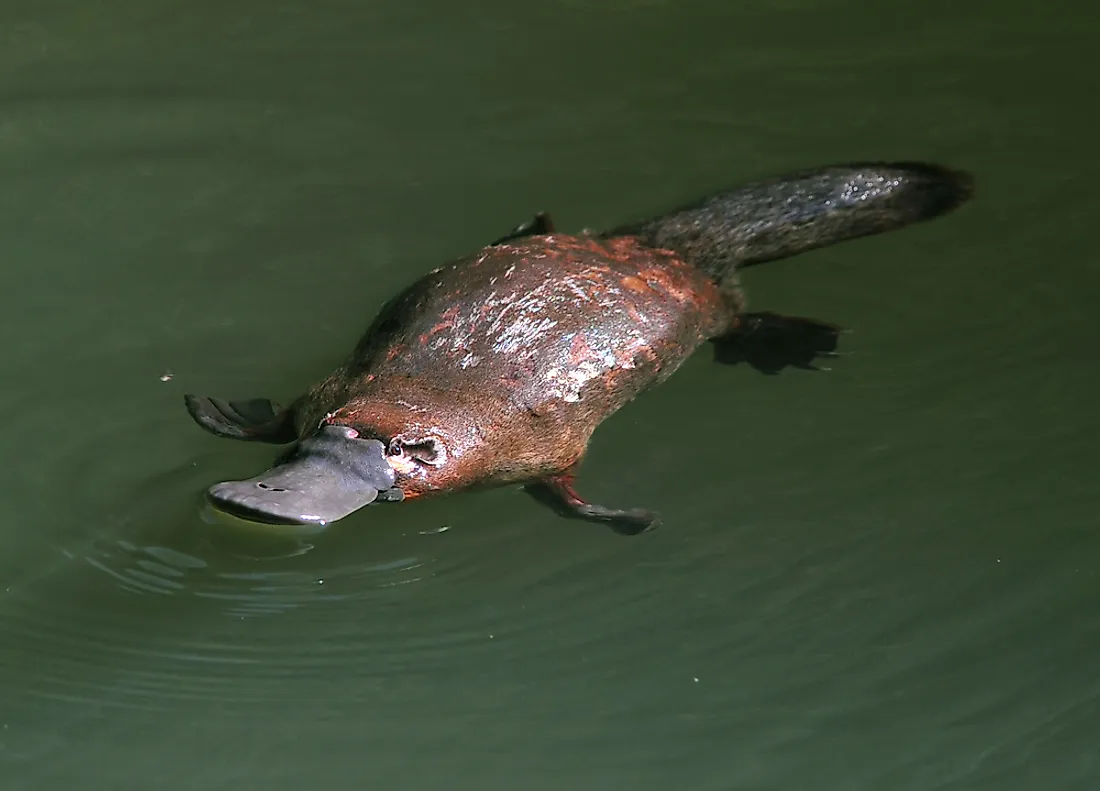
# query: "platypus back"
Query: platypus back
{"points": [[780, 217]]}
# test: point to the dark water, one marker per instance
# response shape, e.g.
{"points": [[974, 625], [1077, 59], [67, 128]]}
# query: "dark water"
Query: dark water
{"points": [[881, 577]]}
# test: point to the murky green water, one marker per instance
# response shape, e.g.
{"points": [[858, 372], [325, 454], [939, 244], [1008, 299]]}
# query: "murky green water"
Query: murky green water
{"points": [[882, 577]]}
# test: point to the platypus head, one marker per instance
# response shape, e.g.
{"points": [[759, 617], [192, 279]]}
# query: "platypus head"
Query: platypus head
{"points": [[368, 449], [324, 477], [429, 443]]}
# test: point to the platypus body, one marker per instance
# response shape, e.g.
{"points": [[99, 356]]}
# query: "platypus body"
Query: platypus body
{"points": [[497, 368]]}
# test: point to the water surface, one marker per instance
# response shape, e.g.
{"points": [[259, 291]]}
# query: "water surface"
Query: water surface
{"points": [[879, 577]]}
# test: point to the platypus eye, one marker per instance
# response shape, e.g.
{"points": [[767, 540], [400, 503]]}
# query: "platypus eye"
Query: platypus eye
{"points": [[427, 450]]}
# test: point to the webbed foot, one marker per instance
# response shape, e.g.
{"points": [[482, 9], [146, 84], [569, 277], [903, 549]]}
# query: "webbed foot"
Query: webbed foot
{"points": [[256, 419], [557, 492], [537, 226]]}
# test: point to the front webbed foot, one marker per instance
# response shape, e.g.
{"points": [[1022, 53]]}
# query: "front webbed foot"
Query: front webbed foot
{"points": [[770, 342], [557, 492], [392, 495], [256, 419], [538, 225]]}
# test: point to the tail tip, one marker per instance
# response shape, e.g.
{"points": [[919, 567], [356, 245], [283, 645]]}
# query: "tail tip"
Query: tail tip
{"points": [[942, 189]]}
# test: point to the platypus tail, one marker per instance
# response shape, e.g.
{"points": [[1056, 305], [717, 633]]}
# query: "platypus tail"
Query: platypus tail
{"points": [[780, 217]]}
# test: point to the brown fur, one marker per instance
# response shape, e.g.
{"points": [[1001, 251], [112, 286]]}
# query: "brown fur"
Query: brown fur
{"points": [[513, 356]]}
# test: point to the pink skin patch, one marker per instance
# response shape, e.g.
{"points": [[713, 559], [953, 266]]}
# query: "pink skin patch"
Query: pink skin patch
{"points": [[330, 420]]}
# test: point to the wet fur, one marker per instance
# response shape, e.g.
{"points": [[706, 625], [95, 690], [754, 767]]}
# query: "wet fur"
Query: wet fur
{"points": [[519, 352], [512, 356]]}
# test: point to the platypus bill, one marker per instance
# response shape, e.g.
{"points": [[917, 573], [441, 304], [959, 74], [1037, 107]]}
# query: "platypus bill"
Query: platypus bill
{"points": [[497, 368]]}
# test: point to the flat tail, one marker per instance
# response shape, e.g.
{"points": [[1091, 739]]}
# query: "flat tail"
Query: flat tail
{"points": [[780, 217]]}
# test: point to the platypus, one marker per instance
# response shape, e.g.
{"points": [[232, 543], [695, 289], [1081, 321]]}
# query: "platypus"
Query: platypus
{"points": [[497, 368]]}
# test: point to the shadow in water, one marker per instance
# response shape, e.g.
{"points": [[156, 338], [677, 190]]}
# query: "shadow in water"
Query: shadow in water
{"points": [[770, 342]]}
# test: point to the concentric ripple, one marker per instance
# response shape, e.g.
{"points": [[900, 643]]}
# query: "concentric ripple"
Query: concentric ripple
{"points": [[134, 597]]}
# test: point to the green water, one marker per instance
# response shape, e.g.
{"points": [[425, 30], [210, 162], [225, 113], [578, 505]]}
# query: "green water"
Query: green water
{"points": [[880, 577]]}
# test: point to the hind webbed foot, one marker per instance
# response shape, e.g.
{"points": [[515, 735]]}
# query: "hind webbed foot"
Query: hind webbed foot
{"points": [[770, 342], [557, 492]]}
